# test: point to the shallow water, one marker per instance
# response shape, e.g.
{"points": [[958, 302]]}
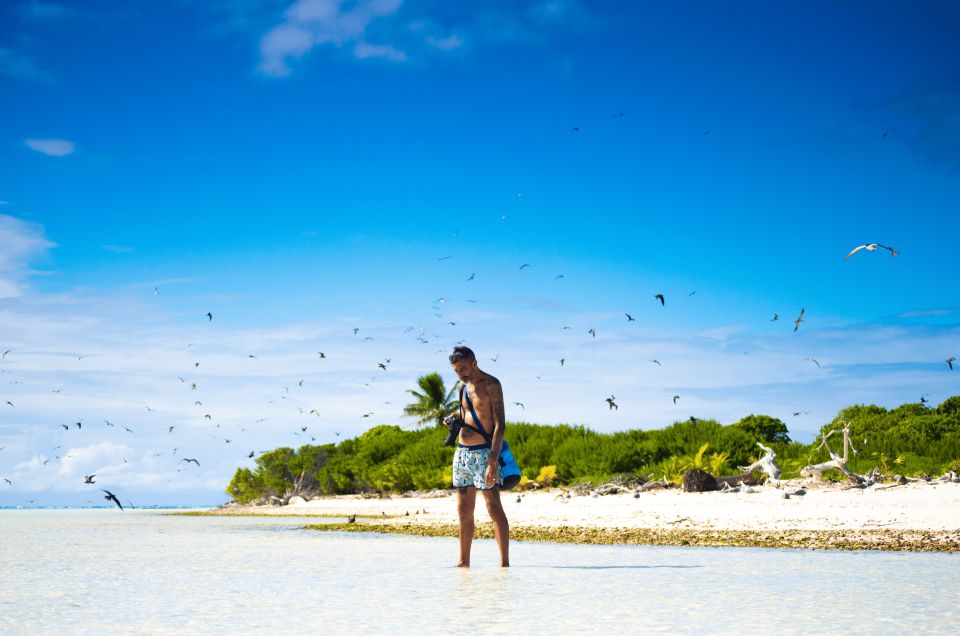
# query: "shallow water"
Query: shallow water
{"points": [[147, 572]]}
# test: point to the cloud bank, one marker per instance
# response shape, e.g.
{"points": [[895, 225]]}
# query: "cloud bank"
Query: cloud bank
{"points": [[20, 242]]}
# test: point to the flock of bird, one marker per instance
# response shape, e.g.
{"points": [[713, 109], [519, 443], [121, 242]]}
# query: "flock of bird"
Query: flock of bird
{"points": [[421, 335]]}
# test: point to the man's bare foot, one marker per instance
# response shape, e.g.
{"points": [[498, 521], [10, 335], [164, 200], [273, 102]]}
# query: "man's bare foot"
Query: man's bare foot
{"points": [[463, 565], [504, 565]]}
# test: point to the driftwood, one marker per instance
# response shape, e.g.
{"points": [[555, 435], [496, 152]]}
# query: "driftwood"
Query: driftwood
{"points": [[696, 480], [948, 477], [767, 464], [654, 485], [837, 462]]}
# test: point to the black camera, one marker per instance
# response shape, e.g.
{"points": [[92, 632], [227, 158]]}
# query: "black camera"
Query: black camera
{"points": [[454, 423]]}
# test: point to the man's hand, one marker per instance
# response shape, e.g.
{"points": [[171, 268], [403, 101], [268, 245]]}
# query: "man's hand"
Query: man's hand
{"points": [[491, 476]]}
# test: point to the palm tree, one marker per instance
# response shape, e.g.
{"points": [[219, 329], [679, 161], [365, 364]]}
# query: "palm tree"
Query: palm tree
{"points": [[433, 400]]}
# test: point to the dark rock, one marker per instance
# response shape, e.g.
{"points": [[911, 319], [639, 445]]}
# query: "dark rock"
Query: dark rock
{"points": [[696, 480]]}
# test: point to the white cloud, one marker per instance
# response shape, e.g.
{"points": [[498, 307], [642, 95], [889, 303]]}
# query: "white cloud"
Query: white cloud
{"points": [[51, 147], [21, 66], [445, 44], [117, 249], [36, 10], [363, 50], [20, 241], [312, 23]]}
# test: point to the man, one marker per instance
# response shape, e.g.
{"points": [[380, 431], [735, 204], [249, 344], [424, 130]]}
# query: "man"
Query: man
{"points": [[476, 463]]}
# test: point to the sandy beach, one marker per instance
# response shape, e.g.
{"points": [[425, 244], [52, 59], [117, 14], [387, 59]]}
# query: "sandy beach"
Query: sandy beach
{"points": [[916, 516]]}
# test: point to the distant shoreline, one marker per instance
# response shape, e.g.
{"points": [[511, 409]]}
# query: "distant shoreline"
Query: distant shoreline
{"points": [[915, 517]]}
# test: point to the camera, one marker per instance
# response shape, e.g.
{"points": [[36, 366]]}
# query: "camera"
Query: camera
{"points": [[454, 423]]}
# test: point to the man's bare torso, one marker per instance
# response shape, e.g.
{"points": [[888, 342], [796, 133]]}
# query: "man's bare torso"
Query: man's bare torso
{"points": [[483, 393]]}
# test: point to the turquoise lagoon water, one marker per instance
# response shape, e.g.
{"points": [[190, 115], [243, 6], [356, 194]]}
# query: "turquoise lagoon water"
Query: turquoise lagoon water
{"points": [[148, 572]]}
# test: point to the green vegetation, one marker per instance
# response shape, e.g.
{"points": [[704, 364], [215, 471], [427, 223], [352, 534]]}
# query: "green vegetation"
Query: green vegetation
{"points": [[433, 403], [911, 439]]}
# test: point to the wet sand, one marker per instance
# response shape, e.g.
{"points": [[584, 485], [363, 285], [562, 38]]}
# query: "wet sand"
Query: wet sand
{"points": [[917, 517]]}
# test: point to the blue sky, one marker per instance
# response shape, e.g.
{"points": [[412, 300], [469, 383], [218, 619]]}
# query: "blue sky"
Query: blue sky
{"points": [[299, 169]]}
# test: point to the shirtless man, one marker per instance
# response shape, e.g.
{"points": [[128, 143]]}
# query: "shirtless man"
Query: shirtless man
{"points": [[476, 461]]}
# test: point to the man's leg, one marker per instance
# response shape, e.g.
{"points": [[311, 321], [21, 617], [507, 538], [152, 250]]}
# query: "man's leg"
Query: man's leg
{"points": [[466, 502], [501, 528]]}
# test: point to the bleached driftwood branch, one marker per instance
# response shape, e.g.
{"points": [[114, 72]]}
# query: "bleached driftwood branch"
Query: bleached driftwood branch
{"points": [[767, 464], [950, 476], [837, 462]]}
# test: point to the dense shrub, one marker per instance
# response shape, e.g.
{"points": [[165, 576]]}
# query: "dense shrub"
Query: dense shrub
{"points": [[911, 439]]}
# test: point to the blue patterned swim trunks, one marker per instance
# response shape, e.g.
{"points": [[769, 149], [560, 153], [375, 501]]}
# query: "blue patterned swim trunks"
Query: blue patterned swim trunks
{"points": [[470, 467]]}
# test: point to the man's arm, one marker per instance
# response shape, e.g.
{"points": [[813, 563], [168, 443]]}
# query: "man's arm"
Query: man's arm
{"points": [[499, 424]]}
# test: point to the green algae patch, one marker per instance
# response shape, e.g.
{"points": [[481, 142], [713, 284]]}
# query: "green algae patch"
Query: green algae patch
{"points": [[872, 539], [243, 513]]}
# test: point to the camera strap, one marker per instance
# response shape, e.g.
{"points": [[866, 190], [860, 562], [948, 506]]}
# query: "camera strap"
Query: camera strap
{"points": [[479, 426]]}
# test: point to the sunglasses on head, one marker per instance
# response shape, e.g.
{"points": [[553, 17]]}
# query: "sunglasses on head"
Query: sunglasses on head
{"points": [[457, 355]]}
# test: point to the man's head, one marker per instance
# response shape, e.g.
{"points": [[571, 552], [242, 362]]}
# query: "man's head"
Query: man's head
{"points": [[464, 363]]}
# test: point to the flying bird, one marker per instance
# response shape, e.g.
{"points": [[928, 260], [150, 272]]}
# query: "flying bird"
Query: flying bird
{"points": [[209, 316], [88, 479], [112, 497], [562, 361], [382, 366], [656, 362], [814, 360], [472, 276], [693, 421], [10, 403], [870, 247], [520, 404], [525, 265], [611, 404], [5, 354], [950, 362], [495, 358], [321, 354], [629, 318], [660, 298], [796, 323], [190, 459], [575, 129], [592, 332], [675, 398]]}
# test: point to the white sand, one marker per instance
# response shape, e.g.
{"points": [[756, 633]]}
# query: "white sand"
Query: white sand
{"points": [[916, 506]]}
